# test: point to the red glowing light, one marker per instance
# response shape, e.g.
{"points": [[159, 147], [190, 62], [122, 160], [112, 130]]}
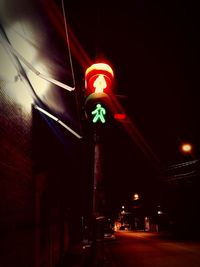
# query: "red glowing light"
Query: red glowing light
{"points": [[120, 116], [98, 78]]}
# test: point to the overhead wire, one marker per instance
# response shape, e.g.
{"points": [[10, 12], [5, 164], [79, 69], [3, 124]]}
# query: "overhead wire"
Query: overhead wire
{"points": [[183, 164], [78, 104], [68, 42]]}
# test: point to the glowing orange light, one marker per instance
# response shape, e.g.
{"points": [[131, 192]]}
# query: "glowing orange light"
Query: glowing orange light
{"points": [[99, 66], [135, 197], [187, 148]]}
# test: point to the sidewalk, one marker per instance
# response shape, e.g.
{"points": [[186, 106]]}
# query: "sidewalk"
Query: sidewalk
{"points": [[80, 255], [74, 257]]}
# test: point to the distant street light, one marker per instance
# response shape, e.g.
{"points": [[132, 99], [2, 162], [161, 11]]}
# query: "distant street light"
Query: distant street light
{"points": [[123, 211], [135, 197], [186, 148]]}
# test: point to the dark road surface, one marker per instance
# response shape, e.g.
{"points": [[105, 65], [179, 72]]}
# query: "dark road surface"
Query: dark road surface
{"points": [[139, 249]]}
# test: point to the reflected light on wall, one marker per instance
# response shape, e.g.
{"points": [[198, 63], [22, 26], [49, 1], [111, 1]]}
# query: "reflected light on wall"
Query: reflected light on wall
{"points": [[13, 85], [39, 84], [22, 96], [7, 70], [21, 38]]}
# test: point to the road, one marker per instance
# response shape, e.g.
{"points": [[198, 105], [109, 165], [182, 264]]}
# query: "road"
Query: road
{"points": [[140, 249]]}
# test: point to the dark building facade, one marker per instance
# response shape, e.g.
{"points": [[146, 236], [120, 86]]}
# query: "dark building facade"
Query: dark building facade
{"points": [[41, 161]]}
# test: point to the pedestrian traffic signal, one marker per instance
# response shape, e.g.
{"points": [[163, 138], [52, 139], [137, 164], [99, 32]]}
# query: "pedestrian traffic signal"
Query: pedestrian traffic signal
{"points": [[99, 114], [98, 86], [98, 78]]}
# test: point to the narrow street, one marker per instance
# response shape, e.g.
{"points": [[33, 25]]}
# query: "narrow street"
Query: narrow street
{"points": [[141, 249]]}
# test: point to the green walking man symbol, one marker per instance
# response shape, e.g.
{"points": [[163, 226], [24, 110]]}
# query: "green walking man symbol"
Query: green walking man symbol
{"points": [[99, 114]]}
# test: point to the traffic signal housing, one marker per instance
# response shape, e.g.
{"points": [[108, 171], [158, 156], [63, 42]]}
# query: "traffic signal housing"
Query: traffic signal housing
{"points": [[98, 87]]}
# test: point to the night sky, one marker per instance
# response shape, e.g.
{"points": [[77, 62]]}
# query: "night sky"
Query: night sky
{"points": [[152, 47]]}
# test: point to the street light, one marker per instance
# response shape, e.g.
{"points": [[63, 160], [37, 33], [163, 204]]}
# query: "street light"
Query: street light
{"points": [[186, 148], [136, 196]]}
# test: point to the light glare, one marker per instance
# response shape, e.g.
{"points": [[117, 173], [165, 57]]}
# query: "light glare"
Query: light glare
{"points": [[99, 66], [187, 148]]}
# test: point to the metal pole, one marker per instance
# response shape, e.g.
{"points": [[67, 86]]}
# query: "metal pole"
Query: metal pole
{"points": [[98, 205], [97, 175]]}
